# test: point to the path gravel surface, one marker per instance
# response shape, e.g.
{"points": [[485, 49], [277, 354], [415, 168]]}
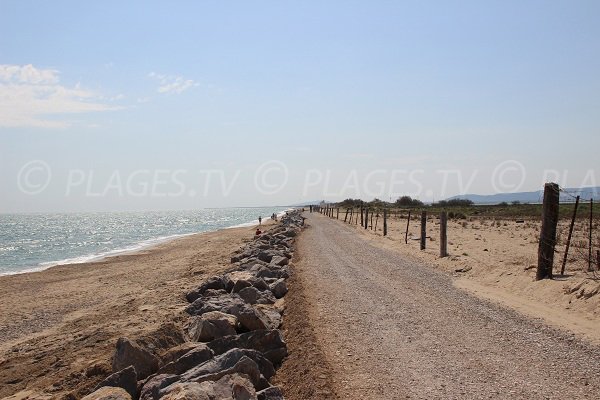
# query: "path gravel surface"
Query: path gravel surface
{"points": [[391, 328]]}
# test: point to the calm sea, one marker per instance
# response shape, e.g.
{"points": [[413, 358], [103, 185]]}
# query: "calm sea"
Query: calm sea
{"points": [[30, 242]]}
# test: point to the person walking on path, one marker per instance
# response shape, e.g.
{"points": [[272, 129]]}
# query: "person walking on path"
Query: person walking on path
{"points": [[259, 220]]}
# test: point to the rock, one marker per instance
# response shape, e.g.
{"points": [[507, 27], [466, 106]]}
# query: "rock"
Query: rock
{"points": [[226, 303], [229, 387], [269, 342], [108, 393], [125, 379], [246, 361], [130, 353], [270, 393], [151, 390], [214, 282], [251, 281], [265, 256], [270, 271], [252, 319], [278, 288], [279, 260], [290, 233], [238, 386], [269, 315], [252, 295], [214, 292], [190, 391], [211, 325], [174, 353], [189, 360]]}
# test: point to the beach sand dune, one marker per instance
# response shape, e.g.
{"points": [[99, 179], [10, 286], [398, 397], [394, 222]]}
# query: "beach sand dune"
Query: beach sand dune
{"points": [[60, 326]]}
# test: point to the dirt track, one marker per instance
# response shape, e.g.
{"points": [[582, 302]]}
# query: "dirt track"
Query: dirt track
{"points": [[389, 328]]}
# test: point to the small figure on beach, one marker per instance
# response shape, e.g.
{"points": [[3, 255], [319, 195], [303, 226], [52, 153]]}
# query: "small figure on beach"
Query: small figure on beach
{"points": [[258, 232], [274, 217], [259, 220]]}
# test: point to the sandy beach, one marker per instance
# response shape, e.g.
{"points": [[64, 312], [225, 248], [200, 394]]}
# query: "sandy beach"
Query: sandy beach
{"points": [[60, 326]]}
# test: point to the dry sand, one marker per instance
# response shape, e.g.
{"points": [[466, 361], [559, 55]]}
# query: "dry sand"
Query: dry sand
{"points": [[59, 326], [500, 257]]}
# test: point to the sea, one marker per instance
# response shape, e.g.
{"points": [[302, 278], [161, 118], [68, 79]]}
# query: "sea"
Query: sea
{"points": [[33, 242]]}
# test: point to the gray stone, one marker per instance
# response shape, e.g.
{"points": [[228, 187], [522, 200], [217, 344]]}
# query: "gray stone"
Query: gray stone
{"points": [[125, 379], [227, 303], [269, 342], [252, 295], [279, 260], [279, 288], [189, 360], [108, 393], [152, 388], [211, 325], [174, 353], [214, 282], [128, 353], [249, 362]]}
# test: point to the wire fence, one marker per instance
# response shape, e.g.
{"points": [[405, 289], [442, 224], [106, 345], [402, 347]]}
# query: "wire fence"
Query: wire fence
{"points": [[577, 245]]}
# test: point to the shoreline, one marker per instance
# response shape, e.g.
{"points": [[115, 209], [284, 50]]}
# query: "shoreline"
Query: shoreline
{"points": [[138, 247], [74, 316]]}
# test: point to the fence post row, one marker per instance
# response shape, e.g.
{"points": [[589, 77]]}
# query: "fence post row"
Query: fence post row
{"points": [[548, 232]]}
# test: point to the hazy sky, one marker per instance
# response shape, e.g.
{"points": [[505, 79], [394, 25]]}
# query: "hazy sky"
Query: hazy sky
{"points": [[122, 105]]}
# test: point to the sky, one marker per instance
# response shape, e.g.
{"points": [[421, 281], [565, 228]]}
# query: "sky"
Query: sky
{"points": [[152, 105]]}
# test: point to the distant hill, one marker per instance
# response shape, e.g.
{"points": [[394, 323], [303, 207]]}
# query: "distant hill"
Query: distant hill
{"points": [[566, 195]]}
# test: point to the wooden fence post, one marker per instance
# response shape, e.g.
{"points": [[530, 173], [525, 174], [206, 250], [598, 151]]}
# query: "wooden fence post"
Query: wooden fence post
{"points": [[590, 269], [366, 218], [346, 217], [338, 213], [385, 222], [443, 234], [564, 264], [371, 220], [407, 224], [548, 232], [423, 229], [361, 216]]}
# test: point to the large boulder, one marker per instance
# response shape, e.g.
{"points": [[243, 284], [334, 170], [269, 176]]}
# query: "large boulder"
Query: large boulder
{"points": [[278, 288], [252, 318], [125, 379], [279, 261], [129, 353], [153, 387], [211, 325], [174, 353], [249, 362], [229, 304], [269, 342], [108, 393], [189, 360], [229, 387], [252, 295], [269, 315], [215, 282]]}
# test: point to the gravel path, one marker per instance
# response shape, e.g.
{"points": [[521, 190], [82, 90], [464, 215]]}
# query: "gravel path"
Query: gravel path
{"points": [[395, 329]]}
